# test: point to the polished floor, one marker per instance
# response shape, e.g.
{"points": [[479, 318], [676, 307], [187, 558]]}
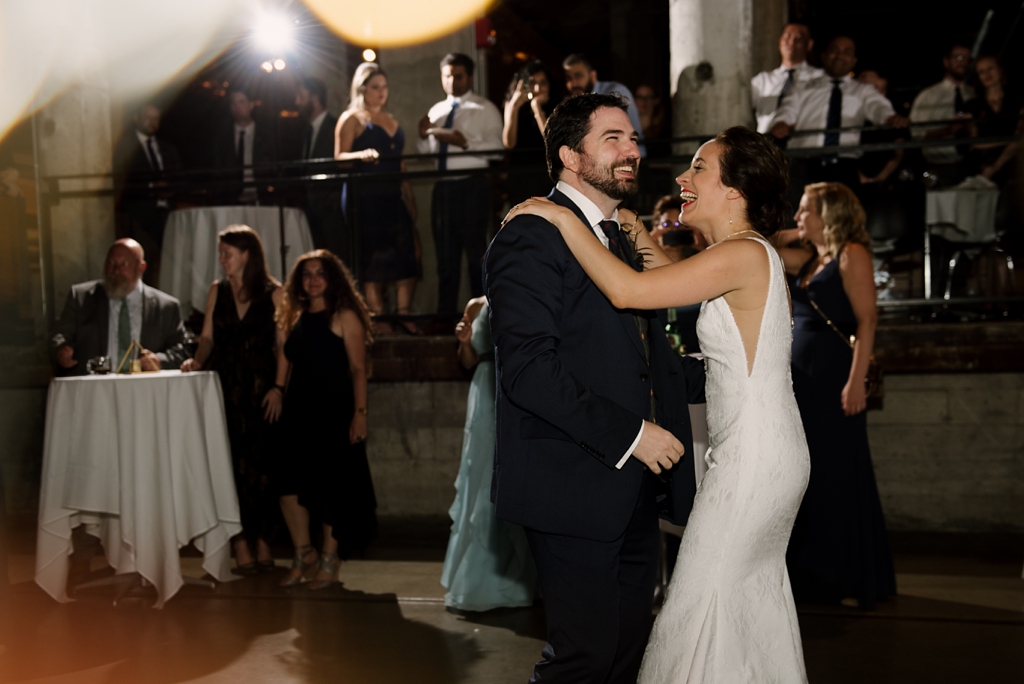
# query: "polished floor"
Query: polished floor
{"points": [[959, 618]]}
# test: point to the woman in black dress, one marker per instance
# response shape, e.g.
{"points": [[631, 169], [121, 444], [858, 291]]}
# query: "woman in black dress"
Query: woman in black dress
{"points": [[322, 362], [527, 108], [996, 112], [839, 550], [239, 340]]}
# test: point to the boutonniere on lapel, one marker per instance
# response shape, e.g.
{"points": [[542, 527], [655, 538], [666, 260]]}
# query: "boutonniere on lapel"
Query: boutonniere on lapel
{"points": [[641, 255]]}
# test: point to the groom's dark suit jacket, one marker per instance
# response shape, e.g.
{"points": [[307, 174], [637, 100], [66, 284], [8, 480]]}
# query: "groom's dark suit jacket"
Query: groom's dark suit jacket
{"points": [[573, 388]]}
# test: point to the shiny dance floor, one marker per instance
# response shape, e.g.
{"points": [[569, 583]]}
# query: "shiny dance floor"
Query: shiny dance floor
{"points": [[959, 617]]}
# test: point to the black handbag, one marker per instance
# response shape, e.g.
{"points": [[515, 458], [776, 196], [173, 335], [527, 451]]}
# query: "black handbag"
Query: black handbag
{"points": [[874, 382]]}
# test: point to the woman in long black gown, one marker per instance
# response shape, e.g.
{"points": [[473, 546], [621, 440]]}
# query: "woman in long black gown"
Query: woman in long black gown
{"points": [[839, 549], [239, 341], [324, 473]]}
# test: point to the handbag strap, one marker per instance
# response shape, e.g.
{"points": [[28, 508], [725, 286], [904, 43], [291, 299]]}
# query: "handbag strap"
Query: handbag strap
{"points": [[848, 340]]}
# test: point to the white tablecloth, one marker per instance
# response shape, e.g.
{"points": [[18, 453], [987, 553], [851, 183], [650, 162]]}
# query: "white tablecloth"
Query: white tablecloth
{"points": [[971, 207], [144, 462], [189, 257]]}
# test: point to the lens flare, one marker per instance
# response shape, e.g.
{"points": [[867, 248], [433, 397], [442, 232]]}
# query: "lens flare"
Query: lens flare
{"points": [[274, 33], [397, 22], [46, 45], [369, 55]]}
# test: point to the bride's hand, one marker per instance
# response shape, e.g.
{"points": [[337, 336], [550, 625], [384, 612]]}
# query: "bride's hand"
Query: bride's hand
{"points": [[545, 208]]}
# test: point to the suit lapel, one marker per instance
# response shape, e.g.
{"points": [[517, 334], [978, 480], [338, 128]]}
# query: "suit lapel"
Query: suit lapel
{"points": [[325, 137], [102, 317], [149, 310], [625, 317]]}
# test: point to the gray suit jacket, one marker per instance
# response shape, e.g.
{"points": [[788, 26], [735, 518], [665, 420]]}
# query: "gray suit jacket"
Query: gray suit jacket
{"points": [[83, 325]]}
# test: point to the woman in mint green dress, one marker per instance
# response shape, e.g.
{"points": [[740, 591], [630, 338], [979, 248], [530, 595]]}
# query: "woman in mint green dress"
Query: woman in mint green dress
{"points": [[488, 564]]}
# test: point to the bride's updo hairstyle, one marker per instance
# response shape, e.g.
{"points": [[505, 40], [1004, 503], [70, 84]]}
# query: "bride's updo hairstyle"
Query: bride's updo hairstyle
{"points": [[756, 167]]}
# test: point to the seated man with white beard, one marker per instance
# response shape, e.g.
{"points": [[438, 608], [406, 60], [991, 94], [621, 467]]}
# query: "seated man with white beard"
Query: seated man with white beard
{"points": [[102, 317]]}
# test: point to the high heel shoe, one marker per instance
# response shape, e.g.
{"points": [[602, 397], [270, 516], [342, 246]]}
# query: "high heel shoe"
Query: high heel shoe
{"points": [[299, 563], [329, 562]]}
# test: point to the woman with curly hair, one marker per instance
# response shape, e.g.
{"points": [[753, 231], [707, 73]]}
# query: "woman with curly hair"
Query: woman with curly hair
{"points": [[729, 614], [840, 548], [325, 327]]}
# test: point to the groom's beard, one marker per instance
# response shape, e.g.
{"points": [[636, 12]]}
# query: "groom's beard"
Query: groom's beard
{"points": [[604, 179]]}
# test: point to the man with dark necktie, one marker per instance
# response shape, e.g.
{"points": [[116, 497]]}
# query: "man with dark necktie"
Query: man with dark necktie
{"points": [[102, 317], [323, 206], [833, 101], [461, 205], [591, 408], [241, 146], [945, 102], [769, 88], [141, 161]]}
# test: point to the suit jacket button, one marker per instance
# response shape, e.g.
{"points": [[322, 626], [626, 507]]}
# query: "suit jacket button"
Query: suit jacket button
{"points": [[643, 377]]}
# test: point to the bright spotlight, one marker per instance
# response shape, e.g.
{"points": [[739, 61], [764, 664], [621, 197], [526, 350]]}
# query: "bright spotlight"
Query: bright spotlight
{"points": [[267, 66], [279, 64], [369, 55], [273, 33]]}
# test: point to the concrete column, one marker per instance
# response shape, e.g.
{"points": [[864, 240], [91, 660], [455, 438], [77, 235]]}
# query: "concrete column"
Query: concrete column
{"points": [[770, 16], [73, 136], [710, 66]]}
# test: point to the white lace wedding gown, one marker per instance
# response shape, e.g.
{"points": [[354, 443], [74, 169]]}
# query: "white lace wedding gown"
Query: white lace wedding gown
{"points": [[729, 615]]}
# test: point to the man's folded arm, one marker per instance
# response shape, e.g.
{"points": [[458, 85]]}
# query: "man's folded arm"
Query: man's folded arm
{"points": [[524, 286]]}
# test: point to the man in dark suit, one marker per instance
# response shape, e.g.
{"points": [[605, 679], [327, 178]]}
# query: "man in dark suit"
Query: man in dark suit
{"points": [[323, 206], [591, 408], [141, 161], [240, 147], [102, 317]]}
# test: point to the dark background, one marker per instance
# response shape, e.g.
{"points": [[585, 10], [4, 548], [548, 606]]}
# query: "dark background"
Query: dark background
{"points": [[628, 40]]}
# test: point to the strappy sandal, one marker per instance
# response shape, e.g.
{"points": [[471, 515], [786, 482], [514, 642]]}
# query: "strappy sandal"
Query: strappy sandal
{"points": [[329, 563], [299, 563]]}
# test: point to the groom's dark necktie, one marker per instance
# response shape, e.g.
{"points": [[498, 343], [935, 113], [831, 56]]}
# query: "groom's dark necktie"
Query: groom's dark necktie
{"points": [[620, 247]]}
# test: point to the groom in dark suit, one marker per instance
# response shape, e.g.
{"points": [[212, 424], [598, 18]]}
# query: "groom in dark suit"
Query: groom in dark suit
{"points": [[592, 414]]}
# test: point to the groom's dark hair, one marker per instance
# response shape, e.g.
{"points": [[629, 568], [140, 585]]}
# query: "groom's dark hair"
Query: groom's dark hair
{"points": [[569, 124]]}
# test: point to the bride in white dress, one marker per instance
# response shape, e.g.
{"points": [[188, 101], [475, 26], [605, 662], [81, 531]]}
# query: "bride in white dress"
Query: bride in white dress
{"points": [[729, 615]]}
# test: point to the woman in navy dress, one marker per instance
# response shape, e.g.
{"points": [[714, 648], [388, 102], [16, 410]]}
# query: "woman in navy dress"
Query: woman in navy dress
{"points": [[839, 551], [384, 211]]}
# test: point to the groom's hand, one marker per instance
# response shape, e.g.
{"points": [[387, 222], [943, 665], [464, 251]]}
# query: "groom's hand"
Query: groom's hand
{"points": [[658, 448]]}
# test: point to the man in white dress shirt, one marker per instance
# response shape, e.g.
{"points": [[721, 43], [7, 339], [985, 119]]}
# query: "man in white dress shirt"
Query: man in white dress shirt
{"points": [[945, 101], [460, 210], [769, 88], [835, 100], [102, 317], [581, 77]]}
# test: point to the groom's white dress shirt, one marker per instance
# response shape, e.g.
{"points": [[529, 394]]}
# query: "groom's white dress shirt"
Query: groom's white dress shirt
{"points": [[594, 218]]}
